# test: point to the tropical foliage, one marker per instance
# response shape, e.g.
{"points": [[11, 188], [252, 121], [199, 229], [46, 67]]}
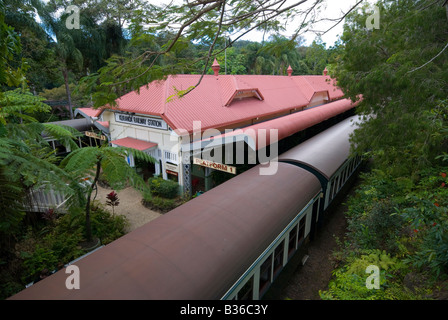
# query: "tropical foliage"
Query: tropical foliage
{"points": [[90, 161], [400, 207], [398, 217]]}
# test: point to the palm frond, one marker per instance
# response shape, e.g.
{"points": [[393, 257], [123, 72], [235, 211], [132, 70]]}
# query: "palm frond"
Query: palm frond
{"points": [[82, 160]]}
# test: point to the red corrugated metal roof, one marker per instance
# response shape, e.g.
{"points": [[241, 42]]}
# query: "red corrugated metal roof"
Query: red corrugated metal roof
{"points": [[104, 123], [134, 143], [89, 112], [288, 125], [207, 102], [312, 84], [149, 100]]}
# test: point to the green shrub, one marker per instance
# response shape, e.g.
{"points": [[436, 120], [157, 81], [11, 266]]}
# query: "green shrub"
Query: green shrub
{"points": [[59, 243], [427, 215], [55, 247], [106, 226], [378, 228], [406, 216], [159, 204], [41, 262], [163, 188], [349, 281]]}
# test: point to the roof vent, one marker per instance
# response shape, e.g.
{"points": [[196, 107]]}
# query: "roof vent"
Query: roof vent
{"points": [[289, 70], [216, 67]]}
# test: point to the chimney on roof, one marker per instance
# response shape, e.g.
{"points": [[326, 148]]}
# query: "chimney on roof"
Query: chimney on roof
{"points": [[289, 70], [325, 71], [216, 67]]}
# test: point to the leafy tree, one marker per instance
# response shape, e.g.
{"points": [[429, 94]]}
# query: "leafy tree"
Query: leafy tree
{"points": [[22, 161], [279, 52], [26, 160], [316, 57], [206, 24], [42, 67], [400, 71], [232, 62], [68, 55], [9, 45], [60, 94], [80, 51]]}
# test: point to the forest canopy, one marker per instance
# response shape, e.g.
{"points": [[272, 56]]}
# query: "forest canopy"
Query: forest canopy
{"points": [[398, 216], [119, 45]]}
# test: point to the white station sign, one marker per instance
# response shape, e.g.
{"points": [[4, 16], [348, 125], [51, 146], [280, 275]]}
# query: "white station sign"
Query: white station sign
{"points": [[141, 121]]}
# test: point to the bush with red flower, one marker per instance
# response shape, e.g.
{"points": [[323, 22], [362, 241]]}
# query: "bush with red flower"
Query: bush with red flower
{"points": [[112, 200]]}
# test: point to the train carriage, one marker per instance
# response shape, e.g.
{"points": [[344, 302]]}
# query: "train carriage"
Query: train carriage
{"points": [[229, 243], [327, 156]]}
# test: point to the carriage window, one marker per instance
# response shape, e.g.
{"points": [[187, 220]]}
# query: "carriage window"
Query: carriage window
{"points": [[292, 241], [336, 185], [278, 258], [246, 291], [302, 229], [332, 188], [265, 275]]}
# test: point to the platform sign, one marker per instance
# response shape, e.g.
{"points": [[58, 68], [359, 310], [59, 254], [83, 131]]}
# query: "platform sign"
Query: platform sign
{"points": [[214, 165], [95, 135], [171, 167]]}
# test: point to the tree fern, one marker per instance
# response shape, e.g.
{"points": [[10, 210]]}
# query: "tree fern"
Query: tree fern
{"points": [[64, 134], [11, 210], [90, 161], [17, 108], [19, 104], [25, 156]]}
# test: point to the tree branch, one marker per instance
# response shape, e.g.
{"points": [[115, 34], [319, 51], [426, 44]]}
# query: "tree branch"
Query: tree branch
{"points": [[339, 20], [209, 51], [247, 21], [429, 60]]}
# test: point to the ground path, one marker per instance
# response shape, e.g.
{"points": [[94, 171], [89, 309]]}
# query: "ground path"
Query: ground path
{"points": [[130, 206]]}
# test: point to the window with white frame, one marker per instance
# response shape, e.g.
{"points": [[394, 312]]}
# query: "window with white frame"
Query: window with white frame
{"points": [[170, 157]]}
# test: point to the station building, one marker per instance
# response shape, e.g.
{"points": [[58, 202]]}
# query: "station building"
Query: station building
{"points": [[174, 129]]}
